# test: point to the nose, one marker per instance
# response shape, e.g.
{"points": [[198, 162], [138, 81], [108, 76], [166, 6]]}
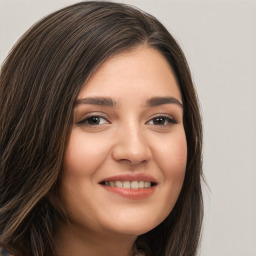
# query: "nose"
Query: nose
{"points": [[131, 146]]}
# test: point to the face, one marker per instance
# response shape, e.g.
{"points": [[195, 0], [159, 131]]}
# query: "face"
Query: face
{"points": [[126, 157]]}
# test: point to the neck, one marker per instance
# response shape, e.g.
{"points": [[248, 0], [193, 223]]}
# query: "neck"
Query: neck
{"points": [[73, 240]]}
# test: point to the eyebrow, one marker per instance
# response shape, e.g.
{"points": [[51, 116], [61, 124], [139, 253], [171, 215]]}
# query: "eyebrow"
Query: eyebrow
{"points": [[157, 101], [97, 101], [152, 102]]}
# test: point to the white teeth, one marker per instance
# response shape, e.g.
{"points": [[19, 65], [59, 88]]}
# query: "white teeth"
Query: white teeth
{"points": [[134, 184], [129, 184], [119, 184], [147, 184], [126, 184], [141, 184]]}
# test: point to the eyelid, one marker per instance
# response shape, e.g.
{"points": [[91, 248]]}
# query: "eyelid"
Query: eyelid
{"points": [[90, 115], [169, 117]]}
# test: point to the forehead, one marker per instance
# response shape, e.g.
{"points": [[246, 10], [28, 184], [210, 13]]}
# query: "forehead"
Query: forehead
{"points": [[143, 71]]}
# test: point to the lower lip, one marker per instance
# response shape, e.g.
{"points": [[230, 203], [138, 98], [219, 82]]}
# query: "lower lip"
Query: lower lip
{"points": [[133, 194]]}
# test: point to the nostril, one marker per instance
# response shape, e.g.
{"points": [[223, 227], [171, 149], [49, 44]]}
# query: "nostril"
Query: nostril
{"points": [[131, 147], [133, 156]]}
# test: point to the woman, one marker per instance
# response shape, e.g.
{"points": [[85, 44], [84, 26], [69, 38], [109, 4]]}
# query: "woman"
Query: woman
{"points": [[100, 138]]}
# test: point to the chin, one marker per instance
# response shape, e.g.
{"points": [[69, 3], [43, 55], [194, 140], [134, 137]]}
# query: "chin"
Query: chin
{"points": [[135, 225]]}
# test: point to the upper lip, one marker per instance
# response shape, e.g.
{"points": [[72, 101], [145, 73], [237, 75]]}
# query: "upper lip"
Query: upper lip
{"points": [[131, 177]]}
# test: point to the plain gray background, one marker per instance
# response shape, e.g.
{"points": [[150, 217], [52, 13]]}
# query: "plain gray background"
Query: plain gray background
{"points": [[219, 41]]}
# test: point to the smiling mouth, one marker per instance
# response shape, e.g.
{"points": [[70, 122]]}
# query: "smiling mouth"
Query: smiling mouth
{"points": [[132, 187], [129, 184]]}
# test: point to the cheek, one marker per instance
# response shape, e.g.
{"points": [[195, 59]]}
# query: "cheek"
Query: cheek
{"points": [[172, 156], [173, 165], [84, 155]]}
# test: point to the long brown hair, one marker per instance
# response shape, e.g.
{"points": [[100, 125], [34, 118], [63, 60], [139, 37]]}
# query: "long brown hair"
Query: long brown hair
{"points": [[39, 83]]}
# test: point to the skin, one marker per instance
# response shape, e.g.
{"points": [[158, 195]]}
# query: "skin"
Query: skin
{"points": [[128, 138]]}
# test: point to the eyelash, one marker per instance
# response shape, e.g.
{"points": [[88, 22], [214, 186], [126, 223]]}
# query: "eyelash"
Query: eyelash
{"points": [[168, 120], [86, 120]]}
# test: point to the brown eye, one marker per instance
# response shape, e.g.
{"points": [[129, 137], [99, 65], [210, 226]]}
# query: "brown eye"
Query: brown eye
{"points": [[93, 120], [159, 121], [162, 120]]}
